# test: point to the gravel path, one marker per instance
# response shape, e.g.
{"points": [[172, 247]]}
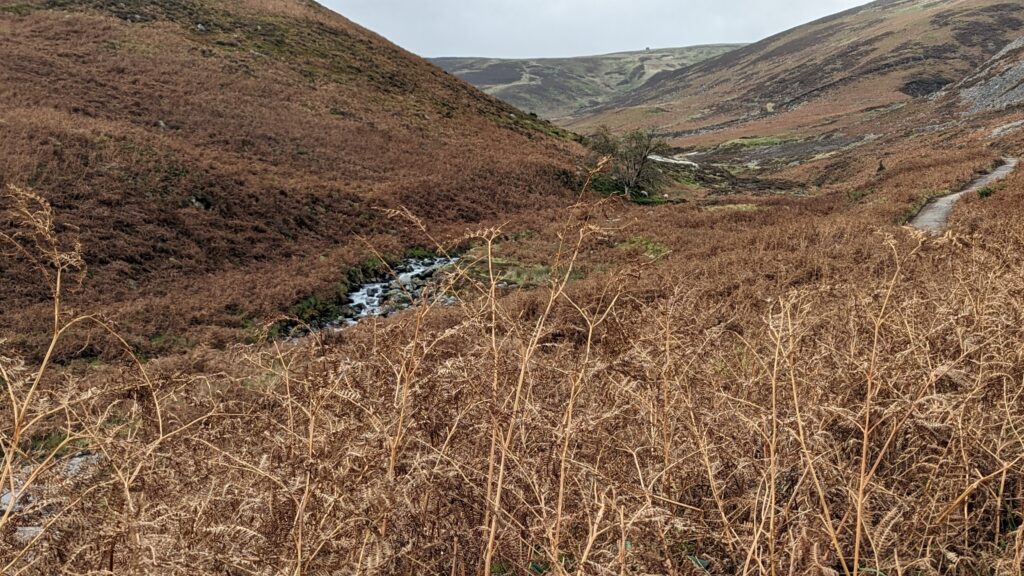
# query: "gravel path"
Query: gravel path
{"points": [[935, 214]]}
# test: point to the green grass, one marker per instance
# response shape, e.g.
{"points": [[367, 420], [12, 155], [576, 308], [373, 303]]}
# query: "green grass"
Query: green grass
{"points": [[652, 200], [651, 248], [857, 195], [684, 177], [606, 185], [56, 443], [530, 123], [757, 141], [17, 9], [526, 275], [420, 253], [511, 270]]}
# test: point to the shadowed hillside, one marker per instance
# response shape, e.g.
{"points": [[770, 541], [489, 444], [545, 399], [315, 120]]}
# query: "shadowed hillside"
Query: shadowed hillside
{"points": [[560, 88], [199, 148]]}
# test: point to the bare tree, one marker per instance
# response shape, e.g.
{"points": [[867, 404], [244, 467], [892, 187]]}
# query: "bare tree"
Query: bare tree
{"points": [[632, 158], [637, 169]]}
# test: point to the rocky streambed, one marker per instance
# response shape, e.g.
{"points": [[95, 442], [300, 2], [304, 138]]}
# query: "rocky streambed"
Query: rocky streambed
{"points": [[404, 287]]}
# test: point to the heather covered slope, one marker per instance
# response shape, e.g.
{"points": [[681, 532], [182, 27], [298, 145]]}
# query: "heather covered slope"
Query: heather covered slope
{"points": [[562, 88], [788, 384], [760, 380], [200, 149], [835, 71]]}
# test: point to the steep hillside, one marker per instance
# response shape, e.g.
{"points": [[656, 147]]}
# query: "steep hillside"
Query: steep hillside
{"points": [[999, 85], [222, 160], [825, 74], [560, 88]]}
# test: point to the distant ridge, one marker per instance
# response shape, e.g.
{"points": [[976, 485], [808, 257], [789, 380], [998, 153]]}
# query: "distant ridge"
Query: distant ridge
{"points": [[839, 67], [559, 88]]}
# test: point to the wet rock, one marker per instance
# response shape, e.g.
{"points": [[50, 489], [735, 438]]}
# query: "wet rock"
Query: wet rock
{"points": [[409, 281]]}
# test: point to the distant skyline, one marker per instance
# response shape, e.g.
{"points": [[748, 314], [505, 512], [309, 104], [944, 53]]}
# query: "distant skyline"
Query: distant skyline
{"points": [[558, 28]]}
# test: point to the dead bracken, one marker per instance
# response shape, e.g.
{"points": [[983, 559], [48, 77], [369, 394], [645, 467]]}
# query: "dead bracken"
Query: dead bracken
{"points": [[753, 367]]}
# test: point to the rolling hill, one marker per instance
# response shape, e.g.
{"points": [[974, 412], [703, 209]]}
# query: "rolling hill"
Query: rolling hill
{"points": [[823, 75], [561, 88], [221, 161]]}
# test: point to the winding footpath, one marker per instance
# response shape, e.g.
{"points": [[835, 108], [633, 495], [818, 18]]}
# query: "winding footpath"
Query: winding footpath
{"points": [[935, 214]]}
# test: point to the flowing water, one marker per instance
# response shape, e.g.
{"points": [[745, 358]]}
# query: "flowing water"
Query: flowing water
{"points": [[401, 291]]}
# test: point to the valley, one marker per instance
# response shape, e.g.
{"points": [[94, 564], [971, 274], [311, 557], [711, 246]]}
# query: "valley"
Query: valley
{"points": [[564, 88], [281, 297]]}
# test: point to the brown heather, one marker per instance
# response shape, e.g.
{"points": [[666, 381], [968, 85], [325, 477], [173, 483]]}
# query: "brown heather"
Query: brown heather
{"points": [[200, 147], [749, 384], [802, 388]]}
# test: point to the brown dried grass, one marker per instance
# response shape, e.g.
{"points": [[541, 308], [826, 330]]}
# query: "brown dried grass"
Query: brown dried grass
{"points": [[823, 393]]}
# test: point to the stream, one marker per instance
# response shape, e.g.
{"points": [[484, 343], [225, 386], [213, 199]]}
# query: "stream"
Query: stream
{"points": [[411, 281], [404, 289]]}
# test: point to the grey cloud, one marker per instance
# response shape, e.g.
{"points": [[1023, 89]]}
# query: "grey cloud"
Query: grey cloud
{"points": [[546, 28]]}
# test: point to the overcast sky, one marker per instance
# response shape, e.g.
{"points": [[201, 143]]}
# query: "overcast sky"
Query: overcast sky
{"points": [[548, 28]]}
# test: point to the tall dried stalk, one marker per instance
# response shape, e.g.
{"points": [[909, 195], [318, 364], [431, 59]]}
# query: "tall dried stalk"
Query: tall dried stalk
{"points": [[612, 424]]}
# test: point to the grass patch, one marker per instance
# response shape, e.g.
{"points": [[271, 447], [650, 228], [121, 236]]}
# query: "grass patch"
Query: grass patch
{"points": [[420, 253], [510, 269], [652, 200], [17, 9], [757, 141], [525, 275], [530, 124], [919, 205], [56, 443], [651, 248], [857, 195], [606, 185]]}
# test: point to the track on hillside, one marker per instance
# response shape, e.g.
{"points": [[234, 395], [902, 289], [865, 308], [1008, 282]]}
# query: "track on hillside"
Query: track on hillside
{"points": [[935, 214]]}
